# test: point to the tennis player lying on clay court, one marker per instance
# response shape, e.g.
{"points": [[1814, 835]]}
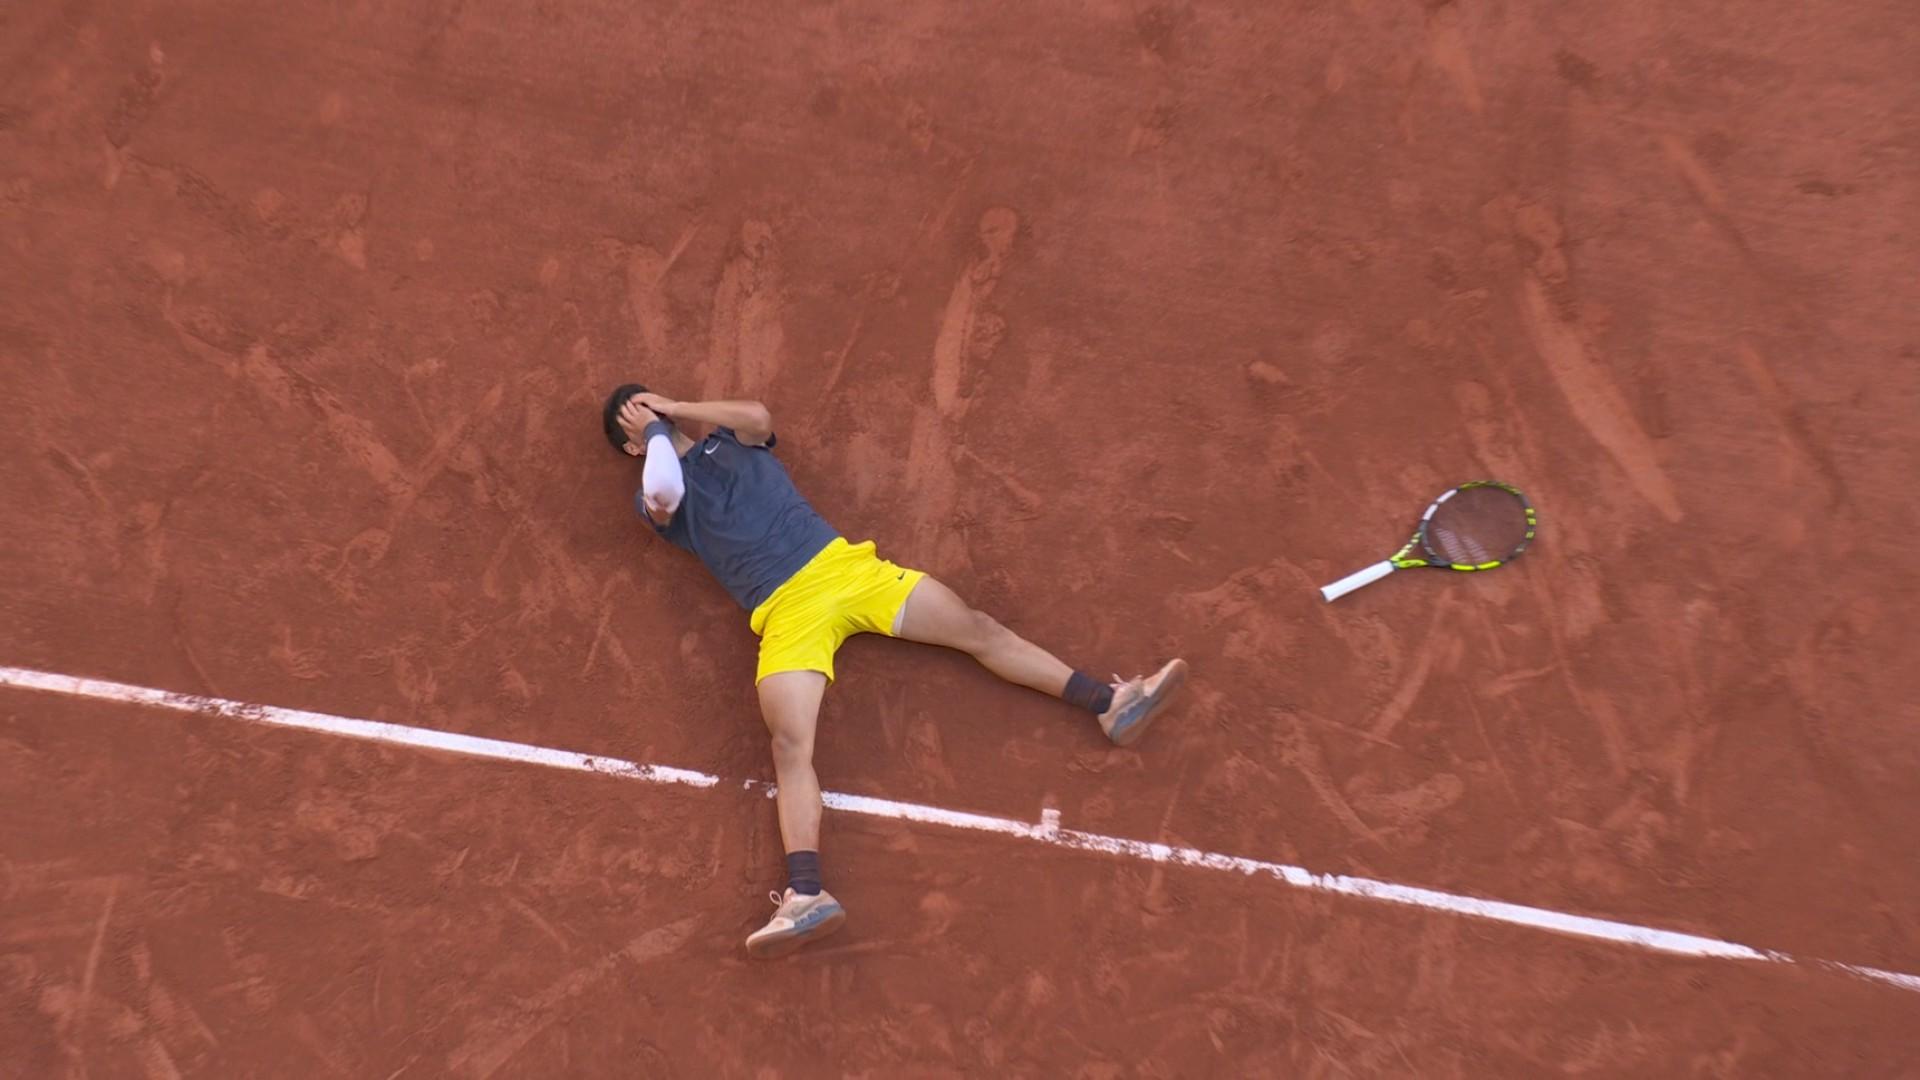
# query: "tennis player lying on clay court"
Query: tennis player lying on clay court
{"points": [[726, 499]]}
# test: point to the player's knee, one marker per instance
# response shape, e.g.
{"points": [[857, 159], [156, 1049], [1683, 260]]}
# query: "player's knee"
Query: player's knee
{"points": [[791, 748], [984, 633]]}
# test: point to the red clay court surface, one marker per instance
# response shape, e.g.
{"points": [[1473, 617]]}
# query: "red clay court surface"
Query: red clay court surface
{"points": [[1134, 323]]}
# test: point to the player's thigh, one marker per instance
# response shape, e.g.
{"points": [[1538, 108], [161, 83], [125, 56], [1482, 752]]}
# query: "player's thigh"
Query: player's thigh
{"points": [[936, 615], [790, 705]]}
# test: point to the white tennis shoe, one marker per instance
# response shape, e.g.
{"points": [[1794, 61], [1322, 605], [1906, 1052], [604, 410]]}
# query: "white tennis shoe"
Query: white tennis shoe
{"points": [[796, 920]]}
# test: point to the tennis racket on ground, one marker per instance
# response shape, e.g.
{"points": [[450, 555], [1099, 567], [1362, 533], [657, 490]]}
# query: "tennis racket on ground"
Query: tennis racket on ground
{"points": [[1479, 525]]}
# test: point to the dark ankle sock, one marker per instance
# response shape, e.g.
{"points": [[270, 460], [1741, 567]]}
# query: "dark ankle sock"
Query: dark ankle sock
{"points": [[1087, 692], [803, 872]]}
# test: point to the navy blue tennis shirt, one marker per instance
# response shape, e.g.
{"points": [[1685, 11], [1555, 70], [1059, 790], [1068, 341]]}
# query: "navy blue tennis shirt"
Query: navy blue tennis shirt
{"points": [[742, 516]]}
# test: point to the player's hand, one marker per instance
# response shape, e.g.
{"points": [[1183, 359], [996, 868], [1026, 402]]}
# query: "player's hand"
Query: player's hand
{"points": [[663, 407], [635, 416]]}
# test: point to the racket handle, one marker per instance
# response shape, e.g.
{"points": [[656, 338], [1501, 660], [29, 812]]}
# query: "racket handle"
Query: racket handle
{"points": [[1356, 579]]}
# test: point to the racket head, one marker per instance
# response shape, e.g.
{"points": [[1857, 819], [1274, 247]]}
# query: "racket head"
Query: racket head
{"points": [[1479, 525]]}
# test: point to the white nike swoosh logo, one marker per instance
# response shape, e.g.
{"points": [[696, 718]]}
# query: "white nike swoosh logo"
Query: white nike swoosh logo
{"points": [[711, 448]]}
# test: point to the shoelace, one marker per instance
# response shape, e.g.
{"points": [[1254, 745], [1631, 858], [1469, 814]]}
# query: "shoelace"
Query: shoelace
{"points": [[775, 897]]}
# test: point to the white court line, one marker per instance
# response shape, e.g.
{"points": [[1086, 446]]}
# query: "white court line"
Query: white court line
{"points": [[1046, 831]]}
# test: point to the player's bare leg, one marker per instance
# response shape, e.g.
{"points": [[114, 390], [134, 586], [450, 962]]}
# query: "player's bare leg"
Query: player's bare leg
{"points": [[790, 705], [936, 615]]}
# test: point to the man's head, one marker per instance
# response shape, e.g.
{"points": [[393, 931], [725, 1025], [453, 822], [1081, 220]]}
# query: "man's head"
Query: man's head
{"points": [[610, 420]]}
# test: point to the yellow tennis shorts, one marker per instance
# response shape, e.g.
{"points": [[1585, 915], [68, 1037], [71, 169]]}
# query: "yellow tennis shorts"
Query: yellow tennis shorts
{"points": [[843, 591]]}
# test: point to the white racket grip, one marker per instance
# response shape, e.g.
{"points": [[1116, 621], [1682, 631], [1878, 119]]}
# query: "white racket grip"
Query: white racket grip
{"points": [[1356, 579]]}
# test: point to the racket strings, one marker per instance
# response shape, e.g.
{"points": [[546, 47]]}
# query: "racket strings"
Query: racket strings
{"points": [[1477, 525]]}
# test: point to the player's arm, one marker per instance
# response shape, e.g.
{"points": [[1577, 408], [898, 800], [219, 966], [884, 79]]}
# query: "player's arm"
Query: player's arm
{"points": [[749, 420], [662, 485]]}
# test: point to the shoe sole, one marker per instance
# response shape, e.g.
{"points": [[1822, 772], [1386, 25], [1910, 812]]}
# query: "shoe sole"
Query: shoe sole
{"points": [[1176, 677], [774, 946]]}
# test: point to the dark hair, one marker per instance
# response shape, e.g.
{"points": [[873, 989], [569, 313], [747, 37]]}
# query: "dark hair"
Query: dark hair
{"points": [[610, 416]]}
